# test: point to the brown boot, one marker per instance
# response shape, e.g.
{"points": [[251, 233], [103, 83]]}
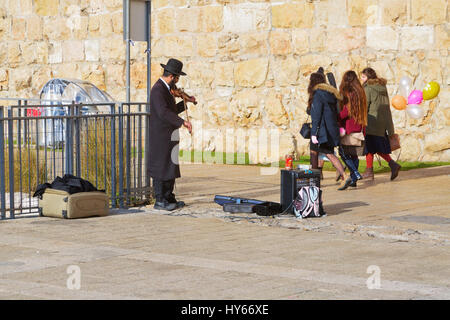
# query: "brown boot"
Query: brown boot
{"points": [[368, 174], [395, 168]]}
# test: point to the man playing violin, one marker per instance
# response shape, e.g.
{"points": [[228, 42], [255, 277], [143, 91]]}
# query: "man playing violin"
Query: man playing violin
{"points": [[164, 137]]}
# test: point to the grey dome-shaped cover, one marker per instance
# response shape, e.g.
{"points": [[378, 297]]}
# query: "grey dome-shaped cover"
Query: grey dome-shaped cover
{"points": [[64, 91], [57, 92]]}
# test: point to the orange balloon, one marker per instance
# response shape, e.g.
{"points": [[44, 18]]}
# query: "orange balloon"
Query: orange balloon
{"points": [[399, 102]]}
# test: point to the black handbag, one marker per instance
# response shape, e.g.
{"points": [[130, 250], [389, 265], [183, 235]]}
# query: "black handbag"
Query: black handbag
{"points": [[305, 130]]}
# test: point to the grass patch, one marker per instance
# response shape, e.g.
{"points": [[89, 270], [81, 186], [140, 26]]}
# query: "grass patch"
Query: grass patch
{"points": [[244, 159]]}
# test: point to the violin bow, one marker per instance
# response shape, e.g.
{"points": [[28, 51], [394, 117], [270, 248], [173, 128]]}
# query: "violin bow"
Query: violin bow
{"points": [[185, 110]]}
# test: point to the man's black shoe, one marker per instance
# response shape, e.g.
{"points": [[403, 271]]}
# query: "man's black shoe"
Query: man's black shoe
{"points": [[180, 204], [165, 206]]}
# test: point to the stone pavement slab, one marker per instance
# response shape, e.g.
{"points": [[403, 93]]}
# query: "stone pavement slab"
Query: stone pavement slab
{"points": [[400, 228]]}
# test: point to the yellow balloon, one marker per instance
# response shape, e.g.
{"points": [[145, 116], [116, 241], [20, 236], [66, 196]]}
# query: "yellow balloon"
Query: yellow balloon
{"points": [[431, 90]]}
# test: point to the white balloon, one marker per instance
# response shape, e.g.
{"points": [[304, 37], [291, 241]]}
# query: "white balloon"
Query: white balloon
{"points": [[415, 111], [405, 81], [405, 86], [405, 91]]}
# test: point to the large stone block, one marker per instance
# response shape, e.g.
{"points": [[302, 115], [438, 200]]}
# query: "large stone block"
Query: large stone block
{"points": [[4, 79], [166, 21], [54, 52], [112, 49], [218, 112], [293, 15], [20, 7], [406, 66], [300, 41], [437, 141], [246, 17], [39, 79], [73, 50], [383, 70], [317, 40], [254, 44], [415, 38], [311, 62], [332, 13], [246, 108], [285, 70], [274, 109], [115, 75], [280, 43], [14, 54], [211, 18], [80, 27], [431, 70], [138, 75], [18, 28], [55, 28], [382, 38], [429, 11], [92, 50], [5, 26], [228, 45], [34, 52], [21, 78], [251, 73], [181, 46], [345, 39], [201, 74], [393, 12], [46, 7], [206, 45], [362, 12], [224, 73], [442, 37], [188, 19]]}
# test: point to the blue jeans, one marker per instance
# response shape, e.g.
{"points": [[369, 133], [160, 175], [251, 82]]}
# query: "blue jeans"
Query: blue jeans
{"points": [[352, 163]]}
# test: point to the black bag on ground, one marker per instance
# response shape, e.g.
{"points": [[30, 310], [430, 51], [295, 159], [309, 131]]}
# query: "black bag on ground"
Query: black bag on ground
{"points": [[67, 183]]}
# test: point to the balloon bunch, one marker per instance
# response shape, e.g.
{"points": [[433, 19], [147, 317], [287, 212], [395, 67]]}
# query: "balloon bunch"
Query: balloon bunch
{"points": [[411, 100]]}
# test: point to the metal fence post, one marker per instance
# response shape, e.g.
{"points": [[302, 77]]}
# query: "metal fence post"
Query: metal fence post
{"points": [[11, 163], [113, 156], [2, 165], [77, 139], [121, 155], [146, 152]]}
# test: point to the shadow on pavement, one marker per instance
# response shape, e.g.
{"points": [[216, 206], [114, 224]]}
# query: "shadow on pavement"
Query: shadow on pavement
{"points": [[339, 208]]}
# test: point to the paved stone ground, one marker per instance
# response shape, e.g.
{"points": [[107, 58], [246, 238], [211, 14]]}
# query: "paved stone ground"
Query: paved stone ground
{"points": [[200, 252]]}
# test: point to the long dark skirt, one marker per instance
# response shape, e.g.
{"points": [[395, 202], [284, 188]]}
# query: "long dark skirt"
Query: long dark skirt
{"points": [[377, 144]]}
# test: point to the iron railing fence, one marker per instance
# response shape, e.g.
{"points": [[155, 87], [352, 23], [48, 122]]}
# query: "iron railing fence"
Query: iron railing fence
{"points": [[40, 142]]}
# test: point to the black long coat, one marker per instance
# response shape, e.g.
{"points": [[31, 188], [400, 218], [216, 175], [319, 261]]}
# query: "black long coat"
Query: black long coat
{"points": [[163, 140], [324, 120]]}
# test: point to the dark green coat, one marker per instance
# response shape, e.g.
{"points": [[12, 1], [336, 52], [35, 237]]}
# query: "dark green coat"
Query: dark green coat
{"points": [[379, 118]]}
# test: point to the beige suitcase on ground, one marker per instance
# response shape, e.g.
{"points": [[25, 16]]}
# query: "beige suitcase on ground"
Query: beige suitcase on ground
{"points": [[61, 204]]}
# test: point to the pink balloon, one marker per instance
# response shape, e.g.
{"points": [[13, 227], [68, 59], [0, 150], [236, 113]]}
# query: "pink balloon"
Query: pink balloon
{"points": [[415, 97]]}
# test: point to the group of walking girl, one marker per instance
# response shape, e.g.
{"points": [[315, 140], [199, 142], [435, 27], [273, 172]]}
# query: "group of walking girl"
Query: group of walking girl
{"points": [[359, 105]]}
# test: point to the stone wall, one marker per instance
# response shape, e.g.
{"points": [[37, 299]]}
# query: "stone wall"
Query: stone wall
{"points": [[247, 61]]}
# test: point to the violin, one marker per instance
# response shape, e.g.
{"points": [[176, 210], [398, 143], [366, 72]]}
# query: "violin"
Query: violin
{"points": [[179, 93]]}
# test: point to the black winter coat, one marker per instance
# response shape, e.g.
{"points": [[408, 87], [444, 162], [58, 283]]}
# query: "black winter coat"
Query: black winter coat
{"points": [[164, 137], [324, 111]]}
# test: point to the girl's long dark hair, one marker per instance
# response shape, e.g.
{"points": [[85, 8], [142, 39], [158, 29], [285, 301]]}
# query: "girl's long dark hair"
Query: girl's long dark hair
{"points": [[370, 73], [314, 80], [354, 97]]}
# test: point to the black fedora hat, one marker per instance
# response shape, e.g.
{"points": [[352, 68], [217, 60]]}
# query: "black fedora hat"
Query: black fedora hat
{"points": [[174, 66]]}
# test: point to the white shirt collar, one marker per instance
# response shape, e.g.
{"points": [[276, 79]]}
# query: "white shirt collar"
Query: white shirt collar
{"points": [[168, 87]]}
